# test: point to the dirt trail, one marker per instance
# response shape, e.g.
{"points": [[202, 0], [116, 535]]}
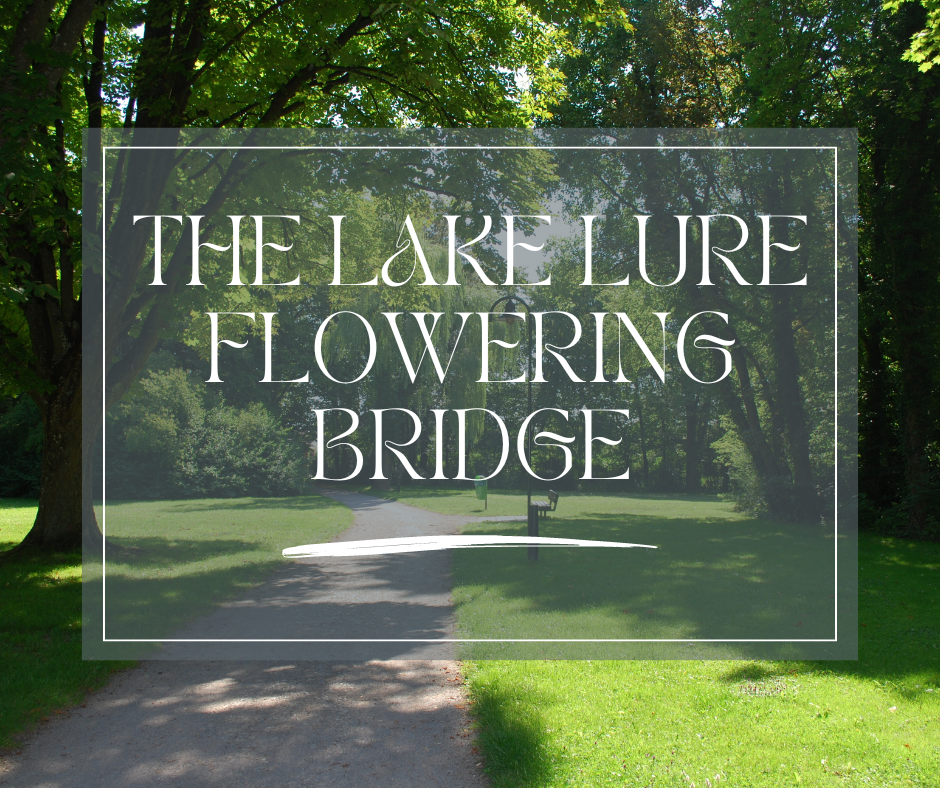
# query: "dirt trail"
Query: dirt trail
{"points": [[398, 721]]}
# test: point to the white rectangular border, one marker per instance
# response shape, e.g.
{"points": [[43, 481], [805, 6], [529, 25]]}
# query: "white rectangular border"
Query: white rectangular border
{"points": [[688, 641]]}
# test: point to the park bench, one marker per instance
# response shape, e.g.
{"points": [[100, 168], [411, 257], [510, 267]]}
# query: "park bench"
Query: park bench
{"points": [[544, 507]]}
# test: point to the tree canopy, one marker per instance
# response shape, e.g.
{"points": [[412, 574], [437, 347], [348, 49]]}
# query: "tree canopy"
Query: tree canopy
{"points": [[218, 64]]}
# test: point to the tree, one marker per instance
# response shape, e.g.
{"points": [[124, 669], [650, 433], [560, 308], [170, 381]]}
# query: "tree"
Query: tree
{"points": [[849, 64], [244, 63], [897, 107], [925, 44], [667, 68]]}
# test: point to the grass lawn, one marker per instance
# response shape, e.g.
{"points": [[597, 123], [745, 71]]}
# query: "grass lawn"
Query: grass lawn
{"points": [[548, 723], [715, 574], [40, 630], [184, 557]]}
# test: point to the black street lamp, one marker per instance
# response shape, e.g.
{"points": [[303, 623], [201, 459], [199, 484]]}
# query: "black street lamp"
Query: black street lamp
{"points": [[510, 316]]}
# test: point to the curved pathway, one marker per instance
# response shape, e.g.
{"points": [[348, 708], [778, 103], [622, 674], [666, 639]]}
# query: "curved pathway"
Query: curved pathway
{"points": [[394, 717]]}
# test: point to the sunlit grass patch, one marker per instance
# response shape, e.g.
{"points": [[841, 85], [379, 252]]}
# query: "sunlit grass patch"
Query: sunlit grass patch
{"points": [[874, 722], [179, 559], [16, 518], [40, 630]]}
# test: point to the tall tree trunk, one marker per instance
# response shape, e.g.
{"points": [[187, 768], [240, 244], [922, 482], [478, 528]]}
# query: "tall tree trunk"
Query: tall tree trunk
{"points": [[646, 462], [58, 523], [802, 493], [704, 420], [742, 407], [787, 364], [54, 323], [665, 446], [875, 436], [692, 479]]}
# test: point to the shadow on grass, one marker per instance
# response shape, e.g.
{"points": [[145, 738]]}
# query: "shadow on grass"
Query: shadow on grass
{"points": [[751, 671], [153, 552], [183, 506], [512, 733], [40, 640], [172, 582], [899, 619], [708, 578]]}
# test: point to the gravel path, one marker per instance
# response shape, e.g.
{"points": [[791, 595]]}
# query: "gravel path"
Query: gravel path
{"points": [[394, 721]]}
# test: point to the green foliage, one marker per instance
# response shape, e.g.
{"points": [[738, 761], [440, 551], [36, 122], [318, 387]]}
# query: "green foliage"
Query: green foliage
{"points": [[173, 437], [21, 437], [894, 520], [235, 452], [746, 486], [144, 64], [815, 64], [168, 406], [667, 67], [925, 45], [650, 63]]}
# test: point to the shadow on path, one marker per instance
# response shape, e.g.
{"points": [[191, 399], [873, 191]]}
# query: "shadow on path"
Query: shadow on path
{"points": [[193, 724], [180, 722]]}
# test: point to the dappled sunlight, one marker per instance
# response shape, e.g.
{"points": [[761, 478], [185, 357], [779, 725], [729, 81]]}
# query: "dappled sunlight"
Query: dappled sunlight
{"points": [[182, 558], [709, 578], [155, 555], [40, 631], [222, 721]]}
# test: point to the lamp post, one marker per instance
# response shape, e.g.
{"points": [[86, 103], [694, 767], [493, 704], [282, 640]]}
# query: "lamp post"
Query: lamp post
{"points": [[510, 316]]}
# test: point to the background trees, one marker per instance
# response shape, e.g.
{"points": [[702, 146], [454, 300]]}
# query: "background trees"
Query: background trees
{"points": [[160, 64], [250, 64], [827, 64]]}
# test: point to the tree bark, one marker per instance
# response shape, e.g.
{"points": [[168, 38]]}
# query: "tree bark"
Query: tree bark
{"points": [[802, 491], [646, 462], [692, 479], [58, 524]]}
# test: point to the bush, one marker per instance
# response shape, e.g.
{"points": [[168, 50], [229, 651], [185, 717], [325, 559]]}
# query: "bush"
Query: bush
{"points": [[237, 452], [21, 438], [172, 438], [777, 497], [894, 520]]}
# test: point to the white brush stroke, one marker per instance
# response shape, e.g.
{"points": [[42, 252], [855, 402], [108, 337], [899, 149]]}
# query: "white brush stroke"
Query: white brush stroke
{"points": [[418, 544]]}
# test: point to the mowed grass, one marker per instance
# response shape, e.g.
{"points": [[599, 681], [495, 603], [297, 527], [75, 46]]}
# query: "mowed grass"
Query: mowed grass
{"points": [[182, 558], [714, 574], [708, 723], [40, 630], [502, 503], [874, 722]]}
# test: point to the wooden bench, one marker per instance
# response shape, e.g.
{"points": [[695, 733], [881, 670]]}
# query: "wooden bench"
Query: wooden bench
{"points": [[544, 507]]}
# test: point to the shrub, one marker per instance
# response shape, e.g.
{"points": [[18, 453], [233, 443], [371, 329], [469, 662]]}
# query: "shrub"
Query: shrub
{"points": [[170, 439]]}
